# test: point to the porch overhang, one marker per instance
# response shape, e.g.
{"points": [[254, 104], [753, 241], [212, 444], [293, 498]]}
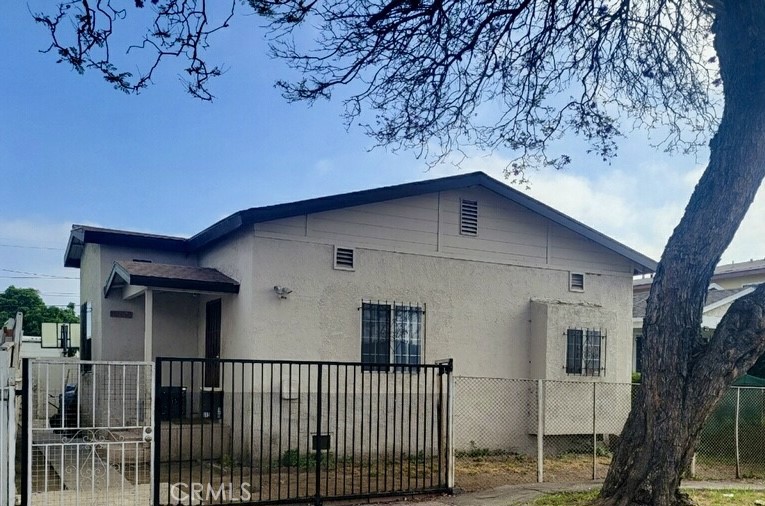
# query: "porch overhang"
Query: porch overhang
{"points": [[135, 277]]}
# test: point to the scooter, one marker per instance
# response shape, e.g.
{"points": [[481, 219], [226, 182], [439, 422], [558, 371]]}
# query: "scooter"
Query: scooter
{"points": [[67, 412]]}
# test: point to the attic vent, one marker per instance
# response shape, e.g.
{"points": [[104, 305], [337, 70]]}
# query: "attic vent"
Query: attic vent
{"points": [[142, 260], [576, 281], [344, 258], [469, 217]]}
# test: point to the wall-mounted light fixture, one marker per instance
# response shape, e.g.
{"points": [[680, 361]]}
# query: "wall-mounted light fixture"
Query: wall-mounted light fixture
{"points": [[282, 291]]}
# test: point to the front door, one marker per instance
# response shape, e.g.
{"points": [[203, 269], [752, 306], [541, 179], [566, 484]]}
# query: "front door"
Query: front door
{"points": [[212, 342]]}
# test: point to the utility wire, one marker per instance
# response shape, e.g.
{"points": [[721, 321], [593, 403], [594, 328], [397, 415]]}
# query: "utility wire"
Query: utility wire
{"points": [[37, 274], [29, 247], [62, 278]]}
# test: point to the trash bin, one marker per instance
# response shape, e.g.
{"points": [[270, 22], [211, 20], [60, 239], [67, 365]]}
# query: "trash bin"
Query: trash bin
{"points": [[172, 403]]}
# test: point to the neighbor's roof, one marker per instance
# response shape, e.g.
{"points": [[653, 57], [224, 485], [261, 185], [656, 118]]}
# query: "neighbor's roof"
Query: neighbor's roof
{"points": [[639, 299], [81, 234], [724, 271], [180, 277]]}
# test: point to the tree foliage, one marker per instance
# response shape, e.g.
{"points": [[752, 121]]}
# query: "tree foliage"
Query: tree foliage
{"points": [[29, 302], [439, 76]]}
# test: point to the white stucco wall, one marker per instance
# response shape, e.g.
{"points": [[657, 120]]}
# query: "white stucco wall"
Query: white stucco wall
{"points": [[122, 338], [477, 312]]}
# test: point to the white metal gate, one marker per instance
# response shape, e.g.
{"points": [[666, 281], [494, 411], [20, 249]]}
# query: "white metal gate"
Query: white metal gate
{"points": [[7, 432], [89, 432]]}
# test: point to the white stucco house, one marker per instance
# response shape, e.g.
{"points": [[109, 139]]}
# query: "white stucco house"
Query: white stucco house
{"points": [[474, 269]]}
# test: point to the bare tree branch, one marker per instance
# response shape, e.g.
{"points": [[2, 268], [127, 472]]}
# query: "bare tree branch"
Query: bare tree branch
{"points": [[180, 29]]}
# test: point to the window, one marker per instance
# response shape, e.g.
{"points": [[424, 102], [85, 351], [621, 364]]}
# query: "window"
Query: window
{"points": [[344, 258], [391, 333], [584, 349], [639, 353], [469, 217], [576, 281]]}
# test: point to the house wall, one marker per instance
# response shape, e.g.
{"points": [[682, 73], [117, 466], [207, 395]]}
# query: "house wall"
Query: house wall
{"points": [[122, 338], [740, 281], [477, 291], [718, 312], [233, 257], [429, 224], [477, 312], [477, 294]]}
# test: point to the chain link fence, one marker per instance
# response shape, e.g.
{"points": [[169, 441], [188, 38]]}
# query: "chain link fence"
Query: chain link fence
{"points": [[497, 423], [732, 444]]}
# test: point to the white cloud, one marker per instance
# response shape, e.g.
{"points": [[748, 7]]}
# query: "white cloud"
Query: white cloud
{"points": [[324, 166], [639, 206]]}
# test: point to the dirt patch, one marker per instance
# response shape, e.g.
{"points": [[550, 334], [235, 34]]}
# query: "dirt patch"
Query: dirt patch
{"points": [[483, 472]]}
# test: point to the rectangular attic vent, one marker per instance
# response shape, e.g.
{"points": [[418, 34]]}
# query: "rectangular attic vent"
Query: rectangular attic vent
{"points": [[469, 217], [344, 258], [576, 282]]}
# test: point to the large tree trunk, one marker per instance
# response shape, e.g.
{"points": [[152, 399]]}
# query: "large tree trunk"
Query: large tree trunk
{"points": [[684, 376]]}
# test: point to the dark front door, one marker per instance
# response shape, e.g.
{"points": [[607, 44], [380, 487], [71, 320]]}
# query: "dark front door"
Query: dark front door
{"points": [[212, 342]]}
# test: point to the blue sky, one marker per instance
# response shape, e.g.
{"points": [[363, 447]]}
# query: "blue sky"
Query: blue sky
{"points": [[73, 150]]}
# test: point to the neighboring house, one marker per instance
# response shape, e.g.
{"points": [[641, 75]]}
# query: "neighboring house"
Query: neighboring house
{"points": [[729, 282], [469, 268], [726, 276]]}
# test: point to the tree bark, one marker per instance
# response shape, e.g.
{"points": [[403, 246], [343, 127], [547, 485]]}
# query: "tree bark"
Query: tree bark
{"points": [[685, 376]]}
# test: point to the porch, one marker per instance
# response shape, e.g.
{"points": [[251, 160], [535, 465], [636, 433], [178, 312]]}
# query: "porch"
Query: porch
{"points": [[177, 309]]}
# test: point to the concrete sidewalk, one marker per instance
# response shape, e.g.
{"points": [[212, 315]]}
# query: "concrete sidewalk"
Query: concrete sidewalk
{"points": [[520, 495]]}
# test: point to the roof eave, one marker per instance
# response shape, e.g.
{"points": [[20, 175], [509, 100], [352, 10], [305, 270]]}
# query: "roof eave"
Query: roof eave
{"points": [[81, 235], [641, 263]]}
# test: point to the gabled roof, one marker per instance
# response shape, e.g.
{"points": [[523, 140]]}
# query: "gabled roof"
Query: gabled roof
{"points": [[722, 271], [179, 277], [218, 231], [715, 299]]}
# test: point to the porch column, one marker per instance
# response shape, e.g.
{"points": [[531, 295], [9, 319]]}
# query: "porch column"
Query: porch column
{"points": [[148, 324]]}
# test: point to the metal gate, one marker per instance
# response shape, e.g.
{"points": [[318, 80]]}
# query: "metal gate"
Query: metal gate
{"points": [[88, 430], [266, 432]]}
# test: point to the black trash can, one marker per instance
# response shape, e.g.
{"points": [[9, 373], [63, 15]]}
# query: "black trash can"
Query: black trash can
{"points": [[172, 403]]}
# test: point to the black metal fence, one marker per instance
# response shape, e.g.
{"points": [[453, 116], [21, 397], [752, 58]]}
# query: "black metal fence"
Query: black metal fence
{"points": [[263, 432]]}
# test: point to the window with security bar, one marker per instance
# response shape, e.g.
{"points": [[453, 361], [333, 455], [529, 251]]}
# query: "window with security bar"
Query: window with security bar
{"points": [[391, 333], [584, 352]]}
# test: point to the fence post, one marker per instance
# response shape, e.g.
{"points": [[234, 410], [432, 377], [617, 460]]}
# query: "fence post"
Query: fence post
{"points": [[594, 434], [317, 500], [693, 465], [735, 434], [157, 433], [540, 431], [26, 438], [450, 424]]}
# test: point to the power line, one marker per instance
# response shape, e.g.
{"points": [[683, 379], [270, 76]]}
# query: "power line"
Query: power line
{"points": [[23, 246], [62, 278], [37, 274]]}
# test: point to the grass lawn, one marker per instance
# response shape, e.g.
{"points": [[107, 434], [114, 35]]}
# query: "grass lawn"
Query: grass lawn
{"points": [[702, 497]]}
